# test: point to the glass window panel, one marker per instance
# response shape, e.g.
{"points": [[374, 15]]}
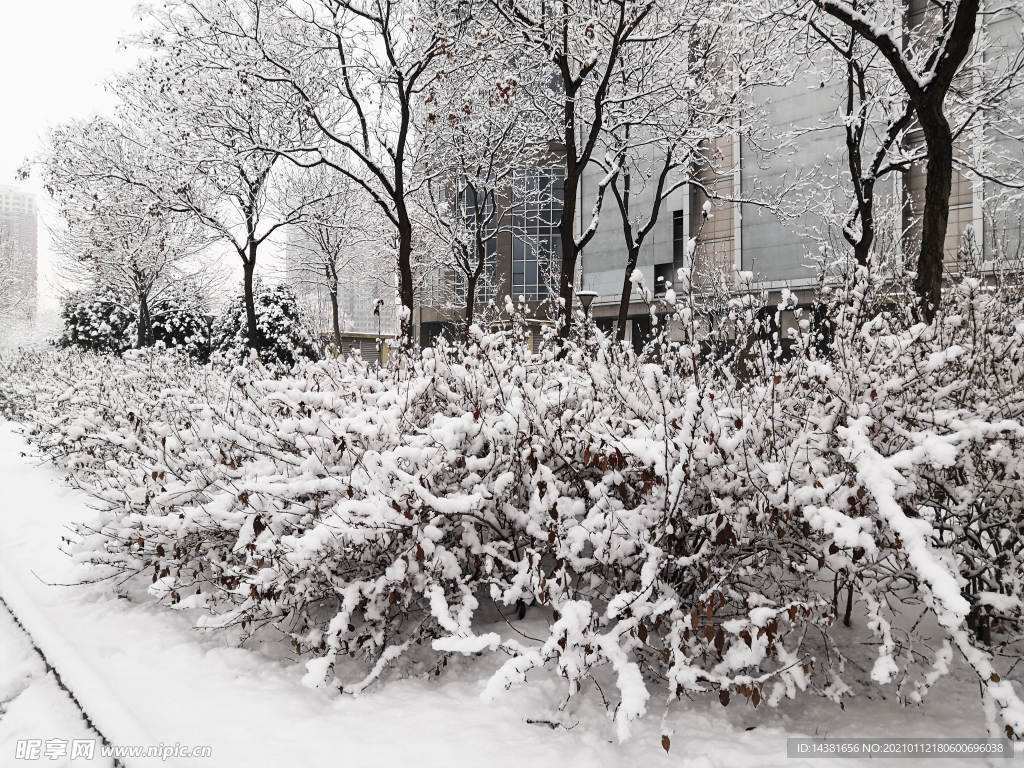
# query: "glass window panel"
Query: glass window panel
{"points": [[536, 247]]}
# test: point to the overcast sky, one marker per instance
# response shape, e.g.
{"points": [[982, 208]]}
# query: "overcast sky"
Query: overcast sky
{"points": [[54, 58]]}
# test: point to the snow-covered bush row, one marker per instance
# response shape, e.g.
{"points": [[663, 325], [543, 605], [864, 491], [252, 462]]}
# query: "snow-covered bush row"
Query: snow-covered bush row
{"points": [[106, 319], [693, 522]]}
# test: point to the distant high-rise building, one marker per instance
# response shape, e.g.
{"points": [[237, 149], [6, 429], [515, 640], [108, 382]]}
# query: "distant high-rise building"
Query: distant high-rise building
{"points": [[19, 226], [365, 299]]}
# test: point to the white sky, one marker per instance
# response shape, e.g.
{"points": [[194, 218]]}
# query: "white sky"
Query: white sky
{"points": [[54, 58]]}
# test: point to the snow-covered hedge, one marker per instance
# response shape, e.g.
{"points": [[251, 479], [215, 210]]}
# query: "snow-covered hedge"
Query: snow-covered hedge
{"points": [[692, 522], [106, 320]]}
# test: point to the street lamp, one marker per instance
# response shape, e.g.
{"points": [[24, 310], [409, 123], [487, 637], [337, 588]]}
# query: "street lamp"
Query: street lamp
{"points": [[209, 331], [586, 299], [378, 305]]}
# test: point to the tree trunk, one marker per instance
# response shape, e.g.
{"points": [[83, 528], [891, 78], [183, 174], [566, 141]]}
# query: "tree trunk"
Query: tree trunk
{"points": [[627, 292], [470, 299], [927, 99], [567, 234], [863, 189], [862, 248], [473, 277], [337, 323], [935, 220], [866, 214], [144, 335], [405, 274], [248, 270]]}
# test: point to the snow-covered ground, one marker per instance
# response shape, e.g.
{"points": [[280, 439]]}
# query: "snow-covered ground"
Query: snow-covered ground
{"points": [[33, 705], [146, 677]]}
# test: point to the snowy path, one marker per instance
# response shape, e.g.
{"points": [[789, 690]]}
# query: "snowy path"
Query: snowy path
{"points": [[146, 677]]}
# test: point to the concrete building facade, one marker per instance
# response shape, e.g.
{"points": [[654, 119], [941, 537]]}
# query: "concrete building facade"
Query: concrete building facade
{"points": [[780, 251], [19, 226]]}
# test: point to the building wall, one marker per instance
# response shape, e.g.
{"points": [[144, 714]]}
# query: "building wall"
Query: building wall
{"points": [[776, 250], [604, 258], [1002, 234], [19, 221], [734, 236], [782, 250]]}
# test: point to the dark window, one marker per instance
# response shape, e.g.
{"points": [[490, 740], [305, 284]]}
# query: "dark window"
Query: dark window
{"points": [[679, 237]]}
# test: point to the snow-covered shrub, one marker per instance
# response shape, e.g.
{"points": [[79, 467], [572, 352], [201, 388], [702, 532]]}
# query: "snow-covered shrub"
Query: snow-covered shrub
{"points": [[282, 336], [693, 521], [178, 321], [106, 320], [101, 320]]}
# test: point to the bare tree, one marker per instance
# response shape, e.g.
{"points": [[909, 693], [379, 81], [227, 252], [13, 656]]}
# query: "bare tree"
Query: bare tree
{"points": [[357, 71], [333, 239], [476, 132], [944, 86], [13, 260], [204, 124], [111, 232], [567, 55], [677, 92], [876, 120]]}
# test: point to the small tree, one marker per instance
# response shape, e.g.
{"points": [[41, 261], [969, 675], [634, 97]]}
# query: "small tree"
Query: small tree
{"points": [[354, 72], [567, 55], [12, 275], [206, 127], [179, 321], [676, 93], [333, 240], [281, 335], [112, 232], [477, 130]]}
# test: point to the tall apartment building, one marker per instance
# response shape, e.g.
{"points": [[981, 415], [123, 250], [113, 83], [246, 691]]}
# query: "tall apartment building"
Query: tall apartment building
{"points": [[19, 228]]}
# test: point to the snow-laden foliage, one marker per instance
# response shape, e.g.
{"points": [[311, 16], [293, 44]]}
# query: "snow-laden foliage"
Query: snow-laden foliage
{"points": [[106, 320], [283, 338], [181, 325], [100, 320], [692, 522]]}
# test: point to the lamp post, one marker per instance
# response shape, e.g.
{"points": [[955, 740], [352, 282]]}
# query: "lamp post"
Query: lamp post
{"points": [[586, 299], [378, 305], [209, 331]]}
